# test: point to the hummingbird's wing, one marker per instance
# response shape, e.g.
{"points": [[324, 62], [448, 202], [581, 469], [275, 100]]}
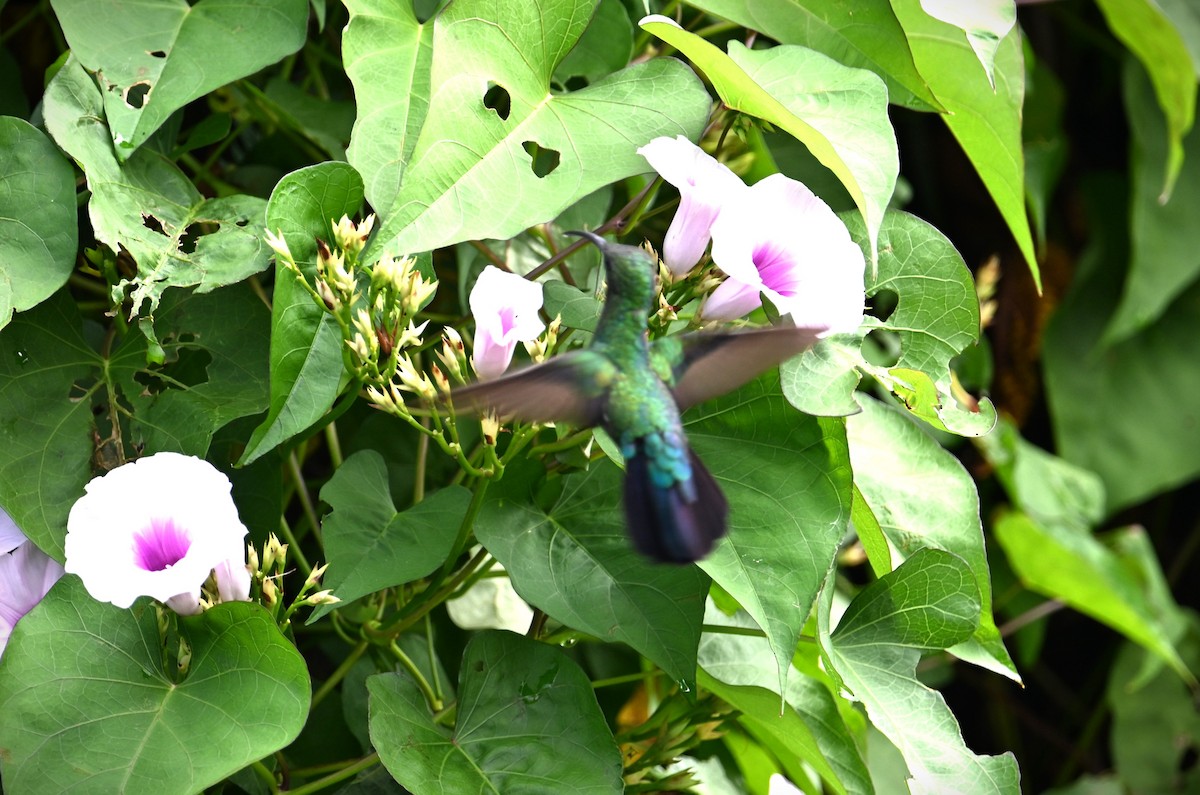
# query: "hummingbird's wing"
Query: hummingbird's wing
{"points": [[567, 388], [705, 365]]}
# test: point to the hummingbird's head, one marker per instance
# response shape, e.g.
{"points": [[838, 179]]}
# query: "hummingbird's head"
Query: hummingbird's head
{"points": [[630, 270]]}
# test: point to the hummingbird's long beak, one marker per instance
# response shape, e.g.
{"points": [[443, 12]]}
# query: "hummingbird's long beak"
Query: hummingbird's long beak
{"points": [[592, 236]]}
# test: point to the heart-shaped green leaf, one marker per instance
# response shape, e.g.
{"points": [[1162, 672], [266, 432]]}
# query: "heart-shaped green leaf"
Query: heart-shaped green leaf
{"points": [[152, 58], [838, 112], [527, 721], [575, 562], [38, 231], [787, 478], [930, 602], [85, 704], [371, 545], [495, 150]]}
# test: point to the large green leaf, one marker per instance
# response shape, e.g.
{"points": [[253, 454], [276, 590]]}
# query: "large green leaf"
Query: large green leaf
{"points": [[1150, 35], [45, 444], [38, 231], [1165, 241], [930, 602], [838, 112], [527, 721], [155, 56], [306, 344], [865, 35], [86, 705], [787, 478], [371, 545], [215, 369], [922, 497], [148, 207], [1111, 586], [576, 564], [1117, 411], [496, 150], [985, 122], [936, 317]]}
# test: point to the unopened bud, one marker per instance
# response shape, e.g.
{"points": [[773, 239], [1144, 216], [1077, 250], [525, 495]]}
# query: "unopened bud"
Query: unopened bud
{"points": [[251, 558], [269, 591], [440, 380], [489, 425], [322, 598], [279, 245], [315, 575]]}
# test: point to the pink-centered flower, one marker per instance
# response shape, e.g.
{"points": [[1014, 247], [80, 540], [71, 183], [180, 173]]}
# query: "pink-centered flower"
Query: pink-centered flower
{"points": [[26, 575], [158, 527], [705, 187], [505, 307], [784, 242]]}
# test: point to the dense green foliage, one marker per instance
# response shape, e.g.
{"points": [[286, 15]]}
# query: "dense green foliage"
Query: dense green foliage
{"points": [[916, 594]]}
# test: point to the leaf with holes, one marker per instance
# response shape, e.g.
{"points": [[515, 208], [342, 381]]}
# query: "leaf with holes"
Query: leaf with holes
{"points": [[38, 231], [838, 112], [495, 149], [153, 58], [86, 706], [527, 721], [936, 317], [149, 208]]}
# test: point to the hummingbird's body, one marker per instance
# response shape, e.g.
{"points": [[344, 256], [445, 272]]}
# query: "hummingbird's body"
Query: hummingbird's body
{"points": [[635, 390]]}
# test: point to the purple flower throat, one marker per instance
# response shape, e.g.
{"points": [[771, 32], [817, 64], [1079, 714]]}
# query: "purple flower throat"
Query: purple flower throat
{"points": [[161, 545]]}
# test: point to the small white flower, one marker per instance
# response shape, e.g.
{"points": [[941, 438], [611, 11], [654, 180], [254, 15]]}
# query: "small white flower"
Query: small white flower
{"points": [[157, 527], [505, 307], [705, 187], [784, 242], [26, 576]]}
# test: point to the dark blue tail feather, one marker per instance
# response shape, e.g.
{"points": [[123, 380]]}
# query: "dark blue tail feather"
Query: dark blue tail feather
{"points": [[679, 524]]}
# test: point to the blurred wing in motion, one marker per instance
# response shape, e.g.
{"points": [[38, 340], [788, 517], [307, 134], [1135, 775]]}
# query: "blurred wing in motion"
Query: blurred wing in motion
{"points": [[568, 388]]}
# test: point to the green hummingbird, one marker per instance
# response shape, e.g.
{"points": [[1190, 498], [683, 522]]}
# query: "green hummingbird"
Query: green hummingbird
{"points": [[636, 389]]}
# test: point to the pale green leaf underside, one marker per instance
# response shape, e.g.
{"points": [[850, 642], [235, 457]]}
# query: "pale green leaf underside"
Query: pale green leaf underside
{"points": [[985, 22]]}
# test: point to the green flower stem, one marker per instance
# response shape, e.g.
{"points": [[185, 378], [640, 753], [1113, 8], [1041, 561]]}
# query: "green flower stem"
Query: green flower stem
{"points": [[718, 629], [422, 459], [265, 775], [433, 669], [334, 444], [333, 778], [310, 512], [302, 563], [485, 570], [339, 673], [435, 703], [625, 679], [565, 443], [424, 604], [465, 529]]}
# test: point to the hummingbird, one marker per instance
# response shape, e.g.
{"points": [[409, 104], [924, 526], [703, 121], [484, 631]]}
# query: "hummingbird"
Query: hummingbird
{"points": [[636, 390]]}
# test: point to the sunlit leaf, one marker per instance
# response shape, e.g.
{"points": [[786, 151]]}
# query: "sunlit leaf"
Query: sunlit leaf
{"points": [[838, 112], [527, 721], [929, 602], [38, 231], [493, 150], [922, 497], [986, 23], [86, 705], [152, 58]]}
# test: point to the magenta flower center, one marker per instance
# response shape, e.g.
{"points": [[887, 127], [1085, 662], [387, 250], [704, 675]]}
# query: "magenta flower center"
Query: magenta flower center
{"points": [[776, 268], [161, 545]]}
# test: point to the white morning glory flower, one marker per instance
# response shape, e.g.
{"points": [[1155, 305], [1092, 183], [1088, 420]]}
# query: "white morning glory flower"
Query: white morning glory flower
{"points": [[784, 242], [705, 186], [158, 527], [26, 576], [505, 307]]}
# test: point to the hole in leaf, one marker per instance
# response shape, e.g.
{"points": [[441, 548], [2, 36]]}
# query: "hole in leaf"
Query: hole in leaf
{"points": [[543, 161], [241, 222], [188, 368], [497, 99], [882, 304], [157, 54], [881, 348], [150, 222], [191, 235], [576, 83], [135, 96]]}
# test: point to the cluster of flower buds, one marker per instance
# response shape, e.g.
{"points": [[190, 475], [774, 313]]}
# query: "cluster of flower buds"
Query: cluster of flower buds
{"points": [[541, 348], [375, 305], [267, 578], [676, 727]]}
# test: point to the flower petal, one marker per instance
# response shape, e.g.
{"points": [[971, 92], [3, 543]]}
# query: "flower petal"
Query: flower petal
{"points": [[11, 536], [505, 307], [154, 527], [26, 576]]}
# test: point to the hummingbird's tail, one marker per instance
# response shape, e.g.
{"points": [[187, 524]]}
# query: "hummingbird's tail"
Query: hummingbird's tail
{"points": [[675, 514]]}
